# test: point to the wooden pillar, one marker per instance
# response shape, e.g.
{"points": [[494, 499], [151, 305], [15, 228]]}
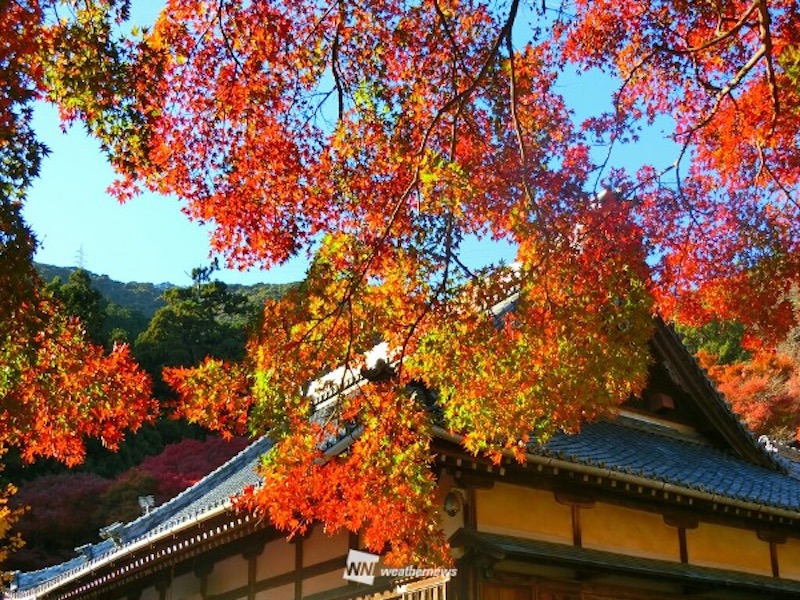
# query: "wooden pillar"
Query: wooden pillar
{"points": [[576, 504], [298, 569], [251, 554], [773, 538], [683, 548], [682, 522], [162, 585], [202, 570]]}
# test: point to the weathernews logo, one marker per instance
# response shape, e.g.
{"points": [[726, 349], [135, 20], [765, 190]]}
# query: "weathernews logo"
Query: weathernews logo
{"points": [[363, 567]]}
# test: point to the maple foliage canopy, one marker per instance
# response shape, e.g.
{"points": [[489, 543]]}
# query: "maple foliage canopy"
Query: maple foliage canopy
{"points": [[379, 137], [764, 389], [56, 387]]}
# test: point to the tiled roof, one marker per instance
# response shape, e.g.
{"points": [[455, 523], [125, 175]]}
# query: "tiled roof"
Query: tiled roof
{"points": [[687, 373], [213, 491], [625, 446], [659, 453]]}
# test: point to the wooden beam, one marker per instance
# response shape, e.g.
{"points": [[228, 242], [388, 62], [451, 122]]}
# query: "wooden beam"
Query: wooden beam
{"points": [[571, 499], [577, 538], [298, 569], [773, 559], [475, 479], [681, 520], [684, 548]]}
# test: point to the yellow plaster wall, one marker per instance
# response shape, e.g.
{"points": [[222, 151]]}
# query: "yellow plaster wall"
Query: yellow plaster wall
{"points": [[227, 574], [628, 531], [789, 559], [319, 546], [185, 587], [284, 592], [321, 583], [516, 510], [276, 559], [727, 547], [150, 593]]}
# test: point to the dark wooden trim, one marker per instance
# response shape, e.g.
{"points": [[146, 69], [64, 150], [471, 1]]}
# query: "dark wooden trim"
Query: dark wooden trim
{"points": [[682, 521], [251, 553], [570, 499], [771, 536], [773, 559], [475, 479], [162, 585], [298, 569], [251, 576], [683, 546], [577, 538], [202, 570], [471, 510], [294, 576]]}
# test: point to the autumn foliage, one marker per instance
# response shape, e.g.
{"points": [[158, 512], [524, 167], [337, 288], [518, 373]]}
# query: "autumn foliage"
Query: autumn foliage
{"points": [[53, 524], [184, 463], [56, 387], [378, 139], [764, 389]]}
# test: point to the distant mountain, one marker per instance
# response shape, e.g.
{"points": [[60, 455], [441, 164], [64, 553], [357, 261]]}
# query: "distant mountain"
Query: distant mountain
{"points": [[146, 298]]}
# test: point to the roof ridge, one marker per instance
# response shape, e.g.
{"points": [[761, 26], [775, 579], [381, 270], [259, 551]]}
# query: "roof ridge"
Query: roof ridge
{"points": [[730, 426], [152, 522], [193, 492]]}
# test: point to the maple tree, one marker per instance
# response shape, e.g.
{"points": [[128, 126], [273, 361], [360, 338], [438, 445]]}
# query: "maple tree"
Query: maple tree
{"points": [[382, 136], [764, 389], [379, 137], [56, 387]]}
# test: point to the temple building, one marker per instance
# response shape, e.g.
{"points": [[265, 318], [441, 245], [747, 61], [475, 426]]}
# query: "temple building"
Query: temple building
{"points": [[672, 498]]}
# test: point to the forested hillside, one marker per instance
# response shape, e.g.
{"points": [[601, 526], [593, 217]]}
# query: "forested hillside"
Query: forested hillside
{"points": [[166, 326], [137, 296], [171, 326], [147, 298]]}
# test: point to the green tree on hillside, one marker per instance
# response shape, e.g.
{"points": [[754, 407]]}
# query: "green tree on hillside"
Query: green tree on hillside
{"points": [[81, 299], [722, 339], [206, 319], [105, 321]]}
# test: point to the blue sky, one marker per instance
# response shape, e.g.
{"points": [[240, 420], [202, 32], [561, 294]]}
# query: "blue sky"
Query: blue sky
{"points": [[146, 239], [150, 239], [77, 222]]}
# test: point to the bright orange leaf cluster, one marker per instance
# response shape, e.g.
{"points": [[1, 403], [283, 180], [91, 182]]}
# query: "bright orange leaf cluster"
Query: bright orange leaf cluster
{"points": [[724, 226], [56, 389], [764, 391], [379, 138]]}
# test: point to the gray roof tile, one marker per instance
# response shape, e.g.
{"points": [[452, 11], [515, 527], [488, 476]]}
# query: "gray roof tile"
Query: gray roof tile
{"points": [[658, 453], [214, 490]]}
